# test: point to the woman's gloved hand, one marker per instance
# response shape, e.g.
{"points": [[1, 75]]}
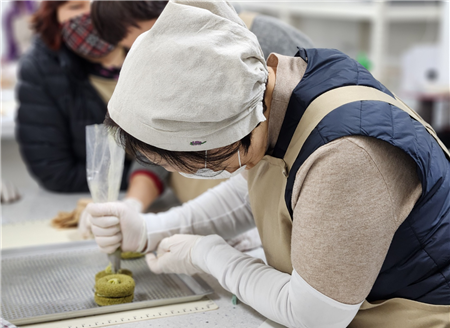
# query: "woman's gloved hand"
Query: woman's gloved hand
{"points": [[174, 255], [117, 224], [84, 225], [8, 192]]}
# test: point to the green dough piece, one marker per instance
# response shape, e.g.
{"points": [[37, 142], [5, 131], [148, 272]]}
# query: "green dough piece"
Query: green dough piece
{"points": [[108, 268], [104, 301], [131, 255], [114, 285], [102, 274]]}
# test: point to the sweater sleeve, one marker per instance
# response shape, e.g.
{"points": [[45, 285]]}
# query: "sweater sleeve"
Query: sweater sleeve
{"points": [[43, 134], [157, 173], [350, 196]]}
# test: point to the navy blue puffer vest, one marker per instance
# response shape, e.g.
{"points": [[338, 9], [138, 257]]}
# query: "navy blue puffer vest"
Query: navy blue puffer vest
{"points": [[417, 266]]}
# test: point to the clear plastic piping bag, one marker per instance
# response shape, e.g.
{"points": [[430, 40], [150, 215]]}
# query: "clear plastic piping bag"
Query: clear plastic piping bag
{"points": [[104, 164]]}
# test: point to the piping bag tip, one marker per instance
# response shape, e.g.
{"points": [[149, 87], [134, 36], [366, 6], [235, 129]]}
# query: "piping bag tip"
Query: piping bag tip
{"points": [[115, 258]]}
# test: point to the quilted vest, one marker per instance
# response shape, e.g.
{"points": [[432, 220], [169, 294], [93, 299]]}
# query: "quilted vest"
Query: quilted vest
{"points": [[417, 265]]}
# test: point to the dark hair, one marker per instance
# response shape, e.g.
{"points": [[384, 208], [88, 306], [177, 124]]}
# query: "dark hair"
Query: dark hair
{"points": [[188, 161], [45, 23], [113, 18]]}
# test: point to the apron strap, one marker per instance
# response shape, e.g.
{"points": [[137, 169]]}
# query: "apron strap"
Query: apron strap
{"points": [[248, 18], [328, 101]]}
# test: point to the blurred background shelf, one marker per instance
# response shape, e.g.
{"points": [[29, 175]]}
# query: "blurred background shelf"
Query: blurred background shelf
{"points": [[406, 43], [372, 22], [350, 10]]}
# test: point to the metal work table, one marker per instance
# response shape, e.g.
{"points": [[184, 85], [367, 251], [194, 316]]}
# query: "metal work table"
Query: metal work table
{"points": [[41, 205], [38, 206], [228, 315]]}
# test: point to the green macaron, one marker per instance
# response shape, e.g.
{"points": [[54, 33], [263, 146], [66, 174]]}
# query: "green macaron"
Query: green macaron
{"points": [[114, 289], [104, 301]]}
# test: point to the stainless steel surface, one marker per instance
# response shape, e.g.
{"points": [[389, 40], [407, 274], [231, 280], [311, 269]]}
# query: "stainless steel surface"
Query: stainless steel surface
{"points": [[46, 283], [115, 258]]}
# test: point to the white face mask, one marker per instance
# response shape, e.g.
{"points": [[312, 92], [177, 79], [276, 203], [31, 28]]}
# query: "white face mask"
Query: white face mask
{"points": [[206, 173]]}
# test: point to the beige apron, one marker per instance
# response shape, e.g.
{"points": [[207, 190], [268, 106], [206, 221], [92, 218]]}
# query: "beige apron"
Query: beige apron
{"points": [[275, 226], [248, 18], [187, 189], [105, 87]]}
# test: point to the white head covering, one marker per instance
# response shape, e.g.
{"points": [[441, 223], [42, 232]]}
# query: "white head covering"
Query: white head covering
{"points": [[195, 81]]}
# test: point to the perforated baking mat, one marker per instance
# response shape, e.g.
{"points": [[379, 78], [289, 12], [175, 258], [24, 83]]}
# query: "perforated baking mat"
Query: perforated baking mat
{"points": [[55, 282]]}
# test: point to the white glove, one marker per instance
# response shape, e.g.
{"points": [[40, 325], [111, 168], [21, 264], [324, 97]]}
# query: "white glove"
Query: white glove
{"points": [[174, 255], [8, 192], [117, 224], [84, 225]]}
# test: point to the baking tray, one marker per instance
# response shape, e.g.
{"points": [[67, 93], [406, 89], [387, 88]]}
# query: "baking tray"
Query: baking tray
{"points": [[56, 282]]}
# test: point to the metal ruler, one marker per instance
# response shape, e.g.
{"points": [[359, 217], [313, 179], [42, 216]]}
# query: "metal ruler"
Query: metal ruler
{"points": [[118, 318]]}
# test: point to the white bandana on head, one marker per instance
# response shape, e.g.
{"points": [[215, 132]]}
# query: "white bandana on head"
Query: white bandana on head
{"points": [[195, 81]]}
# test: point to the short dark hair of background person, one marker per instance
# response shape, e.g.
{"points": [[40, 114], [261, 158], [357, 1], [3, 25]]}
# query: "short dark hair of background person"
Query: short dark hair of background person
{"points": [[113, 18]]}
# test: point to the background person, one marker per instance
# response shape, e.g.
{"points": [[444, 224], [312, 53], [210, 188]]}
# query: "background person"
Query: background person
{"points": [[65, 81], [352, 208]]}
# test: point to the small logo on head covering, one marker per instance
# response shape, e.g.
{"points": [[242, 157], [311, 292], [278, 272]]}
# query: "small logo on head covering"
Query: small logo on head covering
{"points": [[197, 143]]}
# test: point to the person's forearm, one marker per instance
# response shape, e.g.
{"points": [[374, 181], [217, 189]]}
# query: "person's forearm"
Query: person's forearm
{"points": [[144, 189], [222, 210], [286, 299]]}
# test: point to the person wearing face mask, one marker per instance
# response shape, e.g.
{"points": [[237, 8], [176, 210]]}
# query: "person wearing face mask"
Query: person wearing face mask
{"points": [[348, 187], [65, 81], [121, 22]]}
